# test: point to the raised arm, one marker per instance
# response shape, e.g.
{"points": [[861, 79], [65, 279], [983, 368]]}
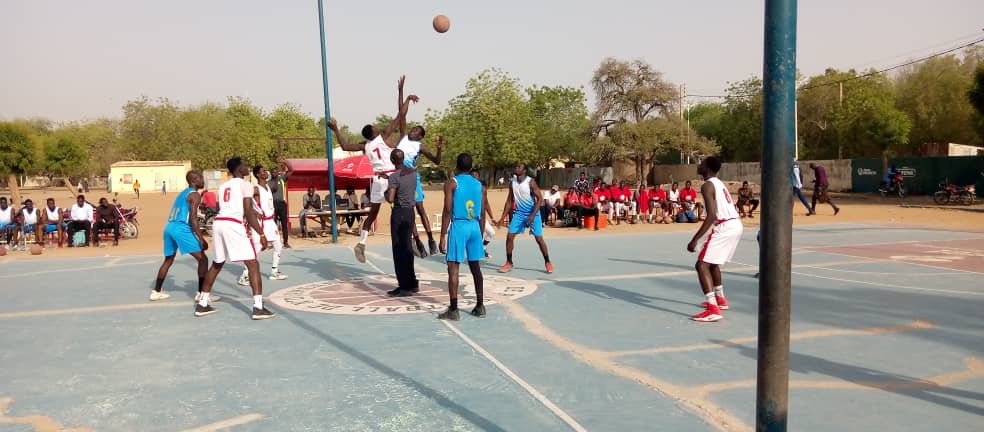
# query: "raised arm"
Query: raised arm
{"points": [[710, 203], [288, 169], [361, 146], [400, 116], [433, 158], [399, 105]]}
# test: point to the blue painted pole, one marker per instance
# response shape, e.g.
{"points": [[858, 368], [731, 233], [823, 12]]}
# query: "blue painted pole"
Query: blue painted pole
{"points": [[328, 143], [775, 257]]}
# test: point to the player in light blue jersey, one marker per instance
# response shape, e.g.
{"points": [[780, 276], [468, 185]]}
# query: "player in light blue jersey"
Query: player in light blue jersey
{"points": [[524, 201], [461, 233], [183, 233]]}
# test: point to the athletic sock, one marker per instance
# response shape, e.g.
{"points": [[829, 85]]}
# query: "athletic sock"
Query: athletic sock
{"points": [[201, 282], [363, 236], [203, 301], [454, 304], [273, 270], [509, 258], [258, 301], [158, 284], [546, 258], [710, 298], [719, 290]]}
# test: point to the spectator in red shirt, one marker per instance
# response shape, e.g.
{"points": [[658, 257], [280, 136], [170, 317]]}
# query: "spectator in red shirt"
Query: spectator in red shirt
{"points": [[590, 207], [642, 204], [688, 195], [618, 200], [572, 205], [657, 202], [209, 200]]}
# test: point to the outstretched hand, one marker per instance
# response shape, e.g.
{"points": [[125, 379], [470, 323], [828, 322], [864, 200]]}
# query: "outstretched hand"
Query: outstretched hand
{"points": [[413, 98], [333, 125], [440, 142], [399, 82]]}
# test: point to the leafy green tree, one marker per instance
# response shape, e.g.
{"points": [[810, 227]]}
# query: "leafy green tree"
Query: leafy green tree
{"points": [[16, 155], [934, 95], [65, 157], [560, 122]]}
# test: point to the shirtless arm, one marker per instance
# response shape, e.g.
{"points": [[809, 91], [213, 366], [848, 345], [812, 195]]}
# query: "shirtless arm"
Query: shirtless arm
{"points": [[341, 140]]}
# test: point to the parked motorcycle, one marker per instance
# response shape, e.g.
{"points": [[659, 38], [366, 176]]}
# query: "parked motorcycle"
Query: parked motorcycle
{"points": [[949, 193], [895, 187], [206, 216], [129, 227]]}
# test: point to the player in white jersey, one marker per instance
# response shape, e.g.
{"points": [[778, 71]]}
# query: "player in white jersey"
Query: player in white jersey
{"points": [[53, 220], [263, 205], [230, 240], [524, 200], [32, 222], [413, 148], [721, 243], [377, 147]]}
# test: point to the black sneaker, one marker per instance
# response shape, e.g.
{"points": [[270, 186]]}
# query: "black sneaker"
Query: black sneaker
{"points": [[433, 247], [399, 292], [259, 314], [416, 287], [450, 314], [479, 311], [201, 311]]}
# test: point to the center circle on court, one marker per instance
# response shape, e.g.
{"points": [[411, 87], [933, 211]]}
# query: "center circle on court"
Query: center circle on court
{"points": [[367, 295]]}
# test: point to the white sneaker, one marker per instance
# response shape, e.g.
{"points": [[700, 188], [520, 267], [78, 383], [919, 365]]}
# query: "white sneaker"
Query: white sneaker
{"points": [[155, 296], [277, 276], [244, 280], [211, 298]]}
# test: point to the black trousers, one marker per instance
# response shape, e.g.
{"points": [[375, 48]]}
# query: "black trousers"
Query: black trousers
{"points": [[75, 226], [115, 226], [280, 214], [401, 224]]}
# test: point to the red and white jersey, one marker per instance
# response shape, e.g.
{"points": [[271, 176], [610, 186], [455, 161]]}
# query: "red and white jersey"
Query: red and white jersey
{"points": [[725, 205], [379, 155], [266, 201], [231, 195]]}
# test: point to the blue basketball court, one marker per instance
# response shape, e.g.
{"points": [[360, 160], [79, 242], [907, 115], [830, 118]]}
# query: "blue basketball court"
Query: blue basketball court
{"points": [[886, 335]]}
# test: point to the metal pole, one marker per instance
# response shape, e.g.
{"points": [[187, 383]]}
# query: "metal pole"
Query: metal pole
{"points": [[778, 139], [328, 144]]}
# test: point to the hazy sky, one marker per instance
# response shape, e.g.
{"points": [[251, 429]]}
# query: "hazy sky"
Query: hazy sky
{"points": [[70, 60]]}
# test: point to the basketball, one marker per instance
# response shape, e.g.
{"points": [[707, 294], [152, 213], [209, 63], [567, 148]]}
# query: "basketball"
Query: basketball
{"points": [[441, 24], [667, 219], [3, 251], [36, 249]]}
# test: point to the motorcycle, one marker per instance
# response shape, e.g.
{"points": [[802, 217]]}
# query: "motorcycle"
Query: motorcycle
{"points": [[949, 193], [129, 227], [894, 187], [206, 216]]}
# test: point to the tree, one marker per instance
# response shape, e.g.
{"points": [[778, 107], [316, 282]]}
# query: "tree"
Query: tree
{"points": [[627, 95], [490, 120], [976, 93], [560, 122], [65, 157], [16, 154], [934, 95]]}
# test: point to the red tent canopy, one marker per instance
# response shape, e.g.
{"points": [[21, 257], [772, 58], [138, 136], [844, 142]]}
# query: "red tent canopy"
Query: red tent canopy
{"points": [[355, 171]]}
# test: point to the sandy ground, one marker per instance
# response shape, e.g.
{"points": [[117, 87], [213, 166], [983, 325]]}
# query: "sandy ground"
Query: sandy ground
{"points": [[855, 208]]}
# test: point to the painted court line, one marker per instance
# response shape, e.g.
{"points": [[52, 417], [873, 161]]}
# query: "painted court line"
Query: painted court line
{"points": [[896, 286], [119, 307], [525, 385], [809, 334], [746, 268], [228, 423], [111, 263], [509, 373]]}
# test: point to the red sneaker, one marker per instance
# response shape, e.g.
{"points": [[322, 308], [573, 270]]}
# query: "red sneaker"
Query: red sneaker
{"points": [[549, 268], [711, 313], [505, 267], [722, 302]]}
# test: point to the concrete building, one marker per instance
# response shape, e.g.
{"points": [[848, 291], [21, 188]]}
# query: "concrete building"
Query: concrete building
{"points": [[151, 174]]}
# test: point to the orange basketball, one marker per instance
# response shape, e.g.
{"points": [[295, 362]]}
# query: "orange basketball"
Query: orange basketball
{"points": [[3, 251], [36, 249], [441, 24]]}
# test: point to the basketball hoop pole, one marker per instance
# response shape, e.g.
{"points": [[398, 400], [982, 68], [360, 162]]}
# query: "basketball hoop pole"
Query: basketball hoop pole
{"points": [[775, 257], [328, 144]]}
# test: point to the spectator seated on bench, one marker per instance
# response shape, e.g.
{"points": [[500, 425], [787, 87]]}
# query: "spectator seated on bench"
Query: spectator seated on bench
{"points": [[311, 202], [746, 197], [107, 219]]}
